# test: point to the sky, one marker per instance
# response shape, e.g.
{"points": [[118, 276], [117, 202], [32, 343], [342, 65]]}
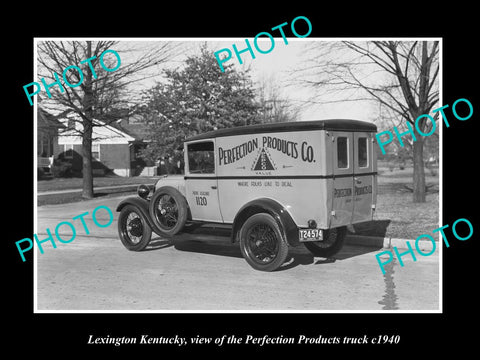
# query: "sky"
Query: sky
{"points": [[280, 62], [277, 65]]}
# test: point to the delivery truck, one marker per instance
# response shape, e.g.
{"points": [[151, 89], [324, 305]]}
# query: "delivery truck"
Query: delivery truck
{"points": [[275, 185]]}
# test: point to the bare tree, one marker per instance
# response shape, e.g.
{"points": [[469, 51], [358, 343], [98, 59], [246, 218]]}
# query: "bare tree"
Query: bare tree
{"points": [[101, 88], [273, 106], [400, 75]]}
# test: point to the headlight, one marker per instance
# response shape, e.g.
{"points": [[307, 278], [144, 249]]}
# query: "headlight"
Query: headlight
{"points": [[143, 191]]}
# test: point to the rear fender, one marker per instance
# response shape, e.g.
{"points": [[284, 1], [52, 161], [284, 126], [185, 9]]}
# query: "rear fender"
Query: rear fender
{"points": [[277, 211]]}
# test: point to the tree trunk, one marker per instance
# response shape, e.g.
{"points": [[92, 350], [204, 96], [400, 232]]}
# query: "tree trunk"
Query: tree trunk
{"points": [[418, 172], [87, 192], [87, 160]]}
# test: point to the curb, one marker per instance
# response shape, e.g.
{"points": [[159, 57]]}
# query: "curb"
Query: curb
{"points": [[387, 242]]}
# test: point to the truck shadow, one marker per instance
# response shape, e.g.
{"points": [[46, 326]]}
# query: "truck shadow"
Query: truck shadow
{"points": [[301, 256], [213, 241], [217, 242], [223, 248], [158, 244], [372, 228]]}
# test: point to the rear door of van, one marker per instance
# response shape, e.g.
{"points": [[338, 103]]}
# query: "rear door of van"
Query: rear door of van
{"points": [[343, 167], [364, 177]]}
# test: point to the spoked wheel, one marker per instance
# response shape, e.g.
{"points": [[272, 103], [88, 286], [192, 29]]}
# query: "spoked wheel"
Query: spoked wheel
{"points": [[168, 210], [133, 229], [331, 244], [262, 243]]}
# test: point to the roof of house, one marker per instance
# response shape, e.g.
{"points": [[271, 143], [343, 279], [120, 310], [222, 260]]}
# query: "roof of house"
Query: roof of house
{"points": [[45, 120], [102, 133], [330, 124]]}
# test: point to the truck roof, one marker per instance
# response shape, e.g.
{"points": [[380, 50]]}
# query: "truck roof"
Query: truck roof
{"points": [[328, 124]]}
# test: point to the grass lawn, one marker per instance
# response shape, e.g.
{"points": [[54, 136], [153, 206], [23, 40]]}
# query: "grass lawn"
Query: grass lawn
{"points": [[408, 220], [396, 214], [76, 183], [66, 198], [129, 186]]}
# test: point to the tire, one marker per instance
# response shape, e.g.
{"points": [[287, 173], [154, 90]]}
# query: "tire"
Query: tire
{"points": [[168, 210], [262, 244], [332, 243], [133, 229]]}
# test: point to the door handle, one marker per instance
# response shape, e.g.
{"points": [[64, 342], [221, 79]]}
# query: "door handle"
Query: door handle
{"points": [[214, 187], [357, 180]]}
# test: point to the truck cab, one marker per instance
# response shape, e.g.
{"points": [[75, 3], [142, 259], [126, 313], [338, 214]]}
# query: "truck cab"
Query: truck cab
{"points": [[277, 185]]}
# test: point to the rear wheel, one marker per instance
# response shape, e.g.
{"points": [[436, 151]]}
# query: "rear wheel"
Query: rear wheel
{"points": [[262, 243], [332, 242], [134, 232]]}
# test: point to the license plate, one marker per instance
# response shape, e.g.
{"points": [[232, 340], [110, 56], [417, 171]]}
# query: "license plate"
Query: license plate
{"points": [[310, 234]]}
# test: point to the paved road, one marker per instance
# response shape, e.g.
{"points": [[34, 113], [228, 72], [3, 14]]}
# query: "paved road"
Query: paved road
{"points": [[206, 272]]}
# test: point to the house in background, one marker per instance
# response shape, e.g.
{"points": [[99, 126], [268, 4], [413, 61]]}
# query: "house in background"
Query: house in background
{"points": [[48, 127], [115, 148]]}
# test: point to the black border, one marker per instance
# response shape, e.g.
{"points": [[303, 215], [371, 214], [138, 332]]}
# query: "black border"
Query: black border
{"points": [[421, 334]]}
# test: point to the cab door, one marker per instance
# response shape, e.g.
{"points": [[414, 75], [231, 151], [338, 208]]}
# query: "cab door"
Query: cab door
{"points": [[364, 178], [201, 187], [342, 206]]}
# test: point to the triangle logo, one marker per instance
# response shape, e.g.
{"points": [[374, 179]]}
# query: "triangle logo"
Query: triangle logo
{"points": [[263, 162]]}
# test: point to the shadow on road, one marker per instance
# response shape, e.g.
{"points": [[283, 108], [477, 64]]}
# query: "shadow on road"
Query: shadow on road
{"points": [[372, 228], [301, 256], [157, 244], [221, 248], [349, 251], [218, 242]]}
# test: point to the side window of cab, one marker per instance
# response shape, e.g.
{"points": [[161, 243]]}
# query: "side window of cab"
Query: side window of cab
{"points": [[201, 159]]}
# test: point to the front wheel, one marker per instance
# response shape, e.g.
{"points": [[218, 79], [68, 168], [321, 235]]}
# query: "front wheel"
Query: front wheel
{"points": [[262, 244], [133, 229], [331, 244]]}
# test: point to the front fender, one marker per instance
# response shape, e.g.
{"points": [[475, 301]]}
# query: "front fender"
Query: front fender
{"points": [[142, 206], [275, 209]]}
